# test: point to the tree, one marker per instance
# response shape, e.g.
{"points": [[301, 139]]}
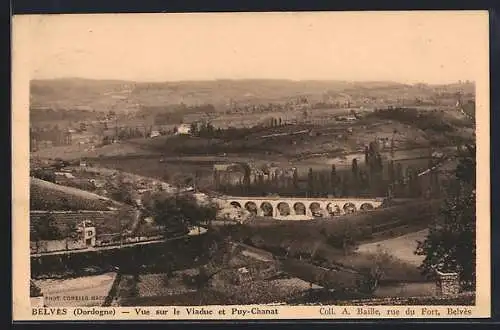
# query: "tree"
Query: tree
{"points": [[451, 243], [414, 189], [345, 238], [45, 229], [334, 180], [391, 172], [434, 179], [355, 175], [367, 156], [106, 140], [219, 252], [310, 182], [194, 129], [46, 175], [323, 183], [354, 168], [364, 181], [216, 179], [399, 182], [120, 191], [176, 213], [409, 178], [399, 173], [247, 171], [344, 186], [295, 179]]}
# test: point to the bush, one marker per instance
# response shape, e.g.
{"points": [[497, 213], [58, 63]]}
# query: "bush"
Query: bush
{"points": [[46, 175], [45, 229], [346, 238], [336, 280]]}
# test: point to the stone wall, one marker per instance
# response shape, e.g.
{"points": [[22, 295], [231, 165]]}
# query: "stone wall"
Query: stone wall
{"points": [[56, 245]]}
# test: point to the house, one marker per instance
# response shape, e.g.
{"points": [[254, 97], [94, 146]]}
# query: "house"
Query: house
{"points": [[154, 134], [183, 129]]}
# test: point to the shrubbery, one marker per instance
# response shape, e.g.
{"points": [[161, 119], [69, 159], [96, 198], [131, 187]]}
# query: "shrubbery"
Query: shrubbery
{"points": [[424, 120], [45, 229]]}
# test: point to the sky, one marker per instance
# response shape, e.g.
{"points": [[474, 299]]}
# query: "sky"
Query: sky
{"points": [[412, 47]]}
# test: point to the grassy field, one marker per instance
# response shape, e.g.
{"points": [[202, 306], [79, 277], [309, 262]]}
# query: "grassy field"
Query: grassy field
{"points": [[401, 247], [45, 195], [72, 152]]}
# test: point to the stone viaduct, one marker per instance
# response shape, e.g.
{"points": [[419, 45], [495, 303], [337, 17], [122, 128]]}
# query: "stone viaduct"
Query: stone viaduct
{"points": [[309, 207]]}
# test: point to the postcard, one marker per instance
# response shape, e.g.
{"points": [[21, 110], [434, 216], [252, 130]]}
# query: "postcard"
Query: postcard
{"points": [[242, 166]]}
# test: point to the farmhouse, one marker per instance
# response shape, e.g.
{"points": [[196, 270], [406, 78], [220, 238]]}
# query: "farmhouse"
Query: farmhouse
{"points": [[183, 129], [80, 237]]}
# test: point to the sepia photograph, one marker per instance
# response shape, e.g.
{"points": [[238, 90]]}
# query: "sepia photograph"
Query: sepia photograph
{"points": [[251, 159]]}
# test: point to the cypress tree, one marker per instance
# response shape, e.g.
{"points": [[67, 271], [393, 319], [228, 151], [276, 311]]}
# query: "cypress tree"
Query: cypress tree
{"points": [[246, 176], [345, 186], [310, 182], [295, 179], [391, 172], [355, 176], [410, 178], [367, 156]]}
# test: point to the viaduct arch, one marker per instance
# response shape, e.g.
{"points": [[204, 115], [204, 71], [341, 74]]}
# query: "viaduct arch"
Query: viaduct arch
{"points": [[282, 207]]}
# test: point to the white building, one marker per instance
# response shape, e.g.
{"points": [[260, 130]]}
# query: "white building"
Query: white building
{"points": [[184, 129], [154, 134]]}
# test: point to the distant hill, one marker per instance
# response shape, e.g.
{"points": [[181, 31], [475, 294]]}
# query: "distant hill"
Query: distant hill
{"points": [[104, 95]]}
